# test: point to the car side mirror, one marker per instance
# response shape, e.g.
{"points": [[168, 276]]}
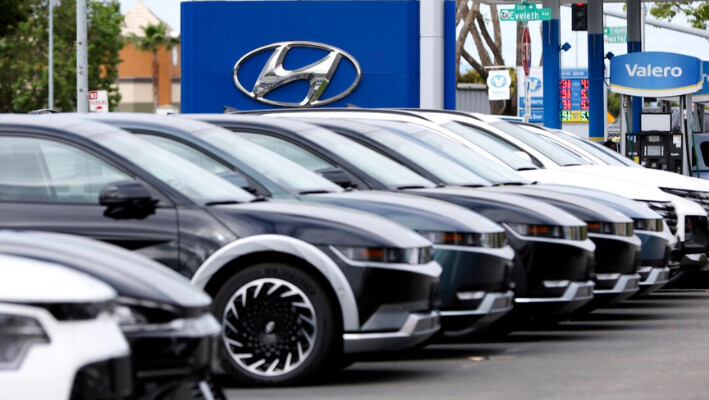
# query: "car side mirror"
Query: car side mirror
{"points": [[127, 200], [338, 176]]}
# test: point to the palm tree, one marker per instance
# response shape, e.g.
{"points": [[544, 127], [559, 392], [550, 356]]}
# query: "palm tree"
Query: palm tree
{"points": [[153, 39]]}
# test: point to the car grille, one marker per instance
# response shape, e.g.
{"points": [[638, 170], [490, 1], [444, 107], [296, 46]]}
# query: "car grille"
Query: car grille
{"points": [[701, 198], [667, 212]]}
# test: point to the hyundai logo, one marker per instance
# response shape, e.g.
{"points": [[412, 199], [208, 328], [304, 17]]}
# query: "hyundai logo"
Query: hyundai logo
{"points": [[534, 83], [318, 74]]}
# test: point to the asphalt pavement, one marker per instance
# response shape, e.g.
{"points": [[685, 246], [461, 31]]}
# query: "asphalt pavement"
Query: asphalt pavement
{"points": [[656, 347]]}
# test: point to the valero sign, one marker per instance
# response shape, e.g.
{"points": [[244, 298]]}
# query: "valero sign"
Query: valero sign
{"points": [[703, 95], [656, 74]]}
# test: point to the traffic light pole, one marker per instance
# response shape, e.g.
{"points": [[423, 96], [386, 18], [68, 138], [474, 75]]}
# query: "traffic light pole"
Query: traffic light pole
{"points": [[552, 65], [596, 87]]}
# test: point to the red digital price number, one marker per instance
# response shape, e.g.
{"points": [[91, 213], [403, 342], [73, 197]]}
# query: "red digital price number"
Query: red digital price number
{"points": [[584, 83], [565, 93], [566, 104], [565, 84], [584, 104]]}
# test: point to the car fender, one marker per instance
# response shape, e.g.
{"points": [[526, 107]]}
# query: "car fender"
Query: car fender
{"points": [[296, 248]]}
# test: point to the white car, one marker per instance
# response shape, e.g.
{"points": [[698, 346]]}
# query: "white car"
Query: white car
{"points": [[59, 338]]}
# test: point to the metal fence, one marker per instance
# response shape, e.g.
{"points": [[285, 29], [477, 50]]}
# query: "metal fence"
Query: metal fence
{"points": [[472, 97]]}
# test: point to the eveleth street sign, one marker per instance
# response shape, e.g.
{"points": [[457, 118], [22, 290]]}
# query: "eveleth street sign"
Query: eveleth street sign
{"points": [[525, 12]]}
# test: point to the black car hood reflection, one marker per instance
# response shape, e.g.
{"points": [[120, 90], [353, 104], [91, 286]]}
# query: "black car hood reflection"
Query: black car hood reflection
{"points": [[501, 207], [130, 274], [316, 224], [412, 211]]}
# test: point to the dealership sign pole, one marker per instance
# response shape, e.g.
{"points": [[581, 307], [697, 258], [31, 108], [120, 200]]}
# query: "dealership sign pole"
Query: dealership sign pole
{"points": [[82, 59], [526, 63]]}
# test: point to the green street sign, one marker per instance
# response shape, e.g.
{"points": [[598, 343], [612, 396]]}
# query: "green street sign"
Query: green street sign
{"points": [[525, 12], [615, 34]]}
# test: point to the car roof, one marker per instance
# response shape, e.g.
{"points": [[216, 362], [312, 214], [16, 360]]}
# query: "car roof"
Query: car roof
{"points": [[53, 122]]}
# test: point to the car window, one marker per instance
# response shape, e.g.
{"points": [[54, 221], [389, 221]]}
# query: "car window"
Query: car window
{"points": [[288, 150], [186, 152], [45, 171]]}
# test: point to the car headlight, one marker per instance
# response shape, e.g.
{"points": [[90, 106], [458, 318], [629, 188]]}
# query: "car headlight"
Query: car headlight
{"points": [[418, 255], [653, 225], [550, 231], [612, 228], [489, 240], [138, 315], [17, 335]]}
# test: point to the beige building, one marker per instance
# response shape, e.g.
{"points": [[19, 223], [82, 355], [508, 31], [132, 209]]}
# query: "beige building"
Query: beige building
{"points": [[135, 71]]}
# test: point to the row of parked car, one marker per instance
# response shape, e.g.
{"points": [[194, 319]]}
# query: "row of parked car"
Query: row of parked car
{"points": [[321, 236]]}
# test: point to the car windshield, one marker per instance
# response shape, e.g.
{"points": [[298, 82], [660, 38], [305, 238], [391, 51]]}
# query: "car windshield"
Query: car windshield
{"points": [[469, 158], [552, 151], [384, 169], [275, 167], [609, 156], [502, 150], [190, 180], [443, 168]]}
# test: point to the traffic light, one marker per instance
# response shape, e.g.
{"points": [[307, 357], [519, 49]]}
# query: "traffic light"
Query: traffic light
{"points": [[579, 17]]}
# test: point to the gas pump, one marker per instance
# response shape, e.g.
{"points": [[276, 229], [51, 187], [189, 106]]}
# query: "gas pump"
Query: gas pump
{"points": [[659, 75]]}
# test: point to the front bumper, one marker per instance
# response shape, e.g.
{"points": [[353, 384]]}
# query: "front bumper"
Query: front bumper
{"points": [[463, 322], [576, 295], [612, 289], [417, 328], [652, 278], [174, 358]]}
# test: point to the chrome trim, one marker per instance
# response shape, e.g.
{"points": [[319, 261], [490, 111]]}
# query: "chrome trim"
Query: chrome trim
{"points": [[572, 293], [502, 252], [417, 328], [487, 306], [624, 284], [657, 276], [318, 74]]}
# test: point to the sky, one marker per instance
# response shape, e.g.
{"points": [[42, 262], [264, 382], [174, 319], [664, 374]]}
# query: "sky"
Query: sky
{"points": [[657, 39]]}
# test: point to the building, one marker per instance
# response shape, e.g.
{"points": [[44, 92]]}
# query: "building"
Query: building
{"points": [[135, 71]]}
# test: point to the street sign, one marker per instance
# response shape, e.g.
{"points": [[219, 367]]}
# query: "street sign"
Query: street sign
{"points": [[498, 84], [526, 51], [98, 101], [525, 12], [615, 34]]}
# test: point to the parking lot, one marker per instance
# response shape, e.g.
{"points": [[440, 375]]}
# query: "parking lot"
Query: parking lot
{"points": [[651, 348]]}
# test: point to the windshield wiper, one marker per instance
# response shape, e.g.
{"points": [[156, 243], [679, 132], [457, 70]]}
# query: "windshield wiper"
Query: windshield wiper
{"points": [[472, 185], [259, 198], [571, 165], [222, 202], [527, 169], [410, 187], [314, 191]]}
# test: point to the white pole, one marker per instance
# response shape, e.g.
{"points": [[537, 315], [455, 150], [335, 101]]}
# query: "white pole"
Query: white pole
{"points": [[50, 100], [82, 59]]}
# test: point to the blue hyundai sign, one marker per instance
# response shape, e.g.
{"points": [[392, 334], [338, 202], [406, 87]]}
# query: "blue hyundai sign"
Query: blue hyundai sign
{"points": [[655, 74], [703, 95], [264, 54]]}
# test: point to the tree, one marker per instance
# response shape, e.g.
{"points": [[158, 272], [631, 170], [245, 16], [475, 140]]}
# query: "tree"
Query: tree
{"points": [[697, 12], [13, 12], [24, 55], [154, 38], [489, 47]]}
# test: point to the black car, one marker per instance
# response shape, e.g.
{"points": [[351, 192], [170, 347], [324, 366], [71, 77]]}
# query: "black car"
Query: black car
{"points": [[476, 261], [294, 285], [167, 322], [554, 259], [617, 247]]}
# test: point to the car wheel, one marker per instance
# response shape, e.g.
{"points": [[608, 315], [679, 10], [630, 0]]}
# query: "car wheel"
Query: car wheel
{"points": [[278, 326]]}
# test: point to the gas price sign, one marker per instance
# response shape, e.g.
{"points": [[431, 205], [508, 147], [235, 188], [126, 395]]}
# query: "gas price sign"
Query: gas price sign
{"points": [[573, 93]]}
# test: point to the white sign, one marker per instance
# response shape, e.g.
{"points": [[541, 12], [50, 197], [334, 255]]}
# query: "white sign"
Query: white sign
{"points": [[98, 101], [498, 84]]}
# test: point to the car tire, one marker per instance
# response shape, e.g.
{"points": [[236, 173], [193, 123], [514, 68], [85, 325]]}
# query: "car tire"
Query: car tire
{"points": [[278, 326]]}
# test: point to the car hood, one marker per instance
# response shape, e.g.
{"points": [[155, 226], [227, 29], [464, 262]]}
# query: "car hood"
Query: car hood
{"points": [[646, 176], [130, 274], [501, 207], [414, 212], [620, 187], [631, 208], [581, 207], [316, 224], [27, 280]]}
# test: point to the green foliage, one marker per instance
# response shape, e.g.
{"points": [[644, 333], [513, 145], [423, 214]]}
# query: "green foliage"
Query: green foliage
{"points": [[614, 103], [24, 55], [13, 12], [154, 37], [697, 12], [471, 76]]}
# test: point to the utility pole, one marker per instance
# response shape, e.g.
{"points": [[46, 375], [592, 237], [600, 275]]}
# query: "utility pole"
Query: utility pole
{"points": [[50, 100], [82, 59]]}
